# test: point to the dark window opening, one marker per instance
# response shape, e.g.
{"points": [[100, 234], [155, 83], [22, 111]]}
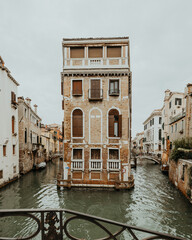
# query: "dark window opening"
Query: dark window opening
{"points": [[95, 154], [77, 154], [114, 154]]}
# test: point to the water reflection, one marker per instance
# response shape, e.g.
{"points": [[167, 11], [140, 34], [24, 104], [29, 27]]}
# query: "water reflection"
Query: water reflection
{"points": [[154, 203]]}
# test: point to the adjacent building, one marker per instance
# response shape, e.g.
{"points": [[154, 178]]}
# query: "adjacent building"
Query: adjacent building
{"points": [[173, 118], [152, 133], [138, 143], [30, 141], [9, 146], [96, 89]]}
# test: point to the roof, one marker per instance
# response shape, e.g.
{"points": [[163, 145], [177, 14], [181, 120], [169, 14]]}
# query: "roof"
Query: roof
{"points": [[3, 68], [97, 38], [156, 112]]}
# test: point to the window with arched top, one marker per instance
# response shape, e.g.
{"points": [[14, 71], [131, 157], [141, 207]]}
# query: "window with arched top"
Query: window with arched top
{"points": [[77, 123], [115, 123], [13, 124]]}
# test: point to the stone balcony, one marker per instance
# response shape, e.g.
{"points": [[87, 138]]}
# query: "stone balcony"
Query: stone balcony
{"points": [[82, 63]]}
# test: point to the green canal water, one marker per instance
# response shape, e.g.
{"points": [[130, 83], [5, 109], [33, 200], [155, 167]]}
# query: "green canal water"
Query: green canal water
{"points": [[154, 203]]}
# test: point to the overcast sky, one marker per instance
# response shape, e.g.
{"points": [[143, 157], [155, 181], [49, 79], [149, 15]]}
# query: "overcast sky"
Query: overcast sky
{"points": [[160, 32]]}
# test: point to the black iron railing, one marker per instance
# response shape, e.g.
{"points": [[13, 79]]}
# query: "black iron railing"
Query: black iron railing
{"points": [[53, 224]]}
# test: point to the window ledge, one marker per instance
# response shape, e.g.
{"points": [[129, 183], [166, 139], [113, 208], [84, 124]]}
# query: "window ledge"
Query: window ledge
{"points": [[78, 137], [114, 138], [77, 95]]}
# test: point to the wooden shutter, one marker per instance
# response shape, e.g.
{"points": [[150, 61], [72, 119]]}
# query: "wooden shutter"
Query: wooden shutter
{"points": [[77, 52], [61, 88], [77, 123], [111, 125], [114, 52], [63, 129], [95, 89], [12, 97], [120, 126], [13, 124], [77, 87], [4, 150], [62, 104], [95, 52]]}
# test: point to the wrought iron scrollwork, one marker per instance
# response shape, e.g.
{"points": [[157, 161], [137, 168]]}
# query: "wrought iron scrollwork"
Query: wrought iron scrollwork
{"points": [[52, 227]]}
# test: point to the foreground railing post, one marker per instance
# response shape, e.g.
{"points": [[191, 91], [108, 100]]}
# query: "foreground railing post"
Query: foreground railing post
{"points": [[42, 226]]}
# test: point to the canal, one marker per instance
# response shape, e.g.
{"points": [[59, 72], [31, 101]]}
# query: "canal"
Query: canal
{"points": [[154, 203]]}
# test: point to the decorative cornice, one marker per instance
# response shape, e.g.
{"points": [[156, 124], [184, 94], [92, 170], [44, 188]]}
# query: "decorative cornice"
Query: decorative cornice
{"points": [[100, 72]]}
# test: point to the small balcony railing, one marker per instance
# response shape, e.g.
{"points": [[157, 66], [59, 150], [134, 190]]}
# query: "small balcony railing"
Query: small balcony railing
{"points": [[95, 165], [114, 92], [77, 165], [58, 224], [95, 94], [113, 165]]}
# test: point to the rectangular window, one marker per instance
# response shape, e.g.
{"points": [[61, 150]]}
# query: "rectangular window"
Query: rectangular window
{"points": [[13, 98], [114, 52], [4, 150], [159, 134], [113, 87], [95, 154], [78, 154], [114, 154], [13, 149], [172, 128], [1, 174], [178, 101], [77, 52], [176, 127], [77, 87], [14, 169], [95, 52], [159, 147], [160, 119], [183, 173]]}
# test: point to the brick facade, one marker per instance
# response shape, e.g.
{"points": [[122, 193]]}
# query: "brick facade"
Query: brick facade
{"points": [[112, 166]]}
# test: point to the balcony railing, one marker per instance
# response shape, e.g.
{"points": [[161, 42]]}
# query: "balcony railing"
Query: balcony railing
{"points": [[95, 94], [70, 63], [95, 165], [114, 92], [58, 224], [77, 165], [113, 165]]}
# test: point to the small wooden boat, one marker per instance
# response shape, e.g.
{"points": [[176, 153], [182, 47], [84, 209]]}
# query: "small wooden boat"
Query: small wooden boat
{"points": [[41, 165]]}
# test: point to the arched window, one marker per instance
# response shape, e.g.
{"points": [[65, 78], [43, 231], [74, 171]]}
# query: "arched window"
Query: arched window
{"points": [[115, 123], [13, 124], [77, 123]]}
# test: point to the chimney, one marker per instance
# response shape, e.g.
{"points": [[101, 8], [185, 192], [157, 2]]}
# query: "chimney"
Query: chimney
{"points": [[28, 100], [167, 94], [2, 62], [35, 108]]}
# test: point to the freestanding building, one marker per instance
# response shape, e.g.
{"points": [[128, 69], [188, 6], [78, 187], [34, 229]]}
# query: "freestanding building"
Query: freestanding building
{"points": [[9, 144], [96, 88]]}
